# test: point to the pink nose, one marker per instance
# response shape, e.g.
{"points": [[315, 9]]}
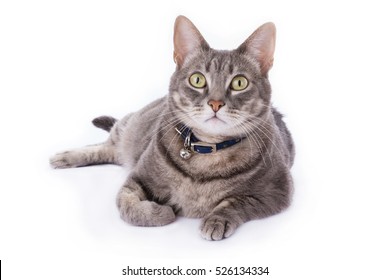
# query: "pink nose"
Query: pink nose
{"points": [[216, 104]]}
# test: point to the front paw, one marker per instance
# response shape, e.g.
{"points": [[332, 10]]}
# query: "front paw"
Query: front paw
{"points": [[145, 213], [217, 227]]}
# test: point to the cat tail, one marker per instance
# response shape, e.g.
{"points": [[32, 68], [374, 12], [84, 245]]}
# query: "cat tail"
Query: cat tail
{"points": [[104, 122]]}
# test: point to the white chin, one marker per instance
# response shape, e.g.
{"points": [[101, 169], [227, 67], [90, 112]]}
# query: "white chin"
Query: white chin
{"points": [[215, 122], [215, 126]]}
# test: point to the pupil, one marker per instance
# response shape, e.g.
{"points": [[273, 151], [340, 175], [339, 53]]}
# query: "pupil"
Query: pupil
{"points": [[239, 83], [197, 80]]}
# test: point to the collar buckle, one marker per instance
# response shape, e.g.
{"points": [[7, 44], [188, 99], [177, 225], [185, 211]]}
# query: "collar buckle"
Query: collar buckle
{"points": [[195, 146]]}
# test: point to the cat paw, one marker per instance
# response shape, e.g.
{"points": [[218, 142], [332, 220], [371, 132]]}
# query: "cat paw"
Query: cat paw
{"points": [[158, 215], [146, 214], [216, 228], [62, 160]]}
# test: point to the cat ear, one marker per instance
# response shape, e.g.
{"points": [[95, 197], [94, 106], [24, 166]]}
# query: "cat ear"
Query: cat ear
{"points": [[186, 39], [261, 45]]}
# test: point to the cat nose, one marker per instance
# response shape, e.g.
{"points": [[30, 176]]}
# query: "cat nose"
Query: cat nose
{"points": [[216, 104]]}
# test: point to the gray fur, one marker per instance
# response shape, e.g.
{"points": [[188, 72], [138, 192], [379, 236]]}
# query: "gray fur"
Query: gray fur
{"points": [[249, 180], [104, 122]]}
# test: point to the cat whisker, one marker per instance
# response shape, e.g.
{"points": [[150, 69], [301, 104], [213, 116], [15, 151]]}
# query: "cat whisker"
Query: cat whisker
{"points": [[258, 131], [252, 138], [171, 123], [266, 135], [168, 127], [265, 122], [175, 137], [249, 141], [257, 138]]}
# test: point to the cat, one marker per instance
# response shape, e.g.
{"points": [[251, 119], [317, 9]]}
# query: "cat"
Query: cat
{"points": [[213, 148]]}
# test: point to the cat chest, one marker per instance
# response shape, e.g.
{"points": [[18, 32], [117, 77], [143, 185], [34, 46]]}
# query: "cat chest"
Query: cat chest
{"points": [[196, 200], [192, 197]]}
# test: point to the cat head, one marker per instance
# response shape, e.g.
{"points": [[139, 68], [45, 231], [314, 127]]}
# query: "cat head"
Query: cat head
{"points": [[221, 93]]}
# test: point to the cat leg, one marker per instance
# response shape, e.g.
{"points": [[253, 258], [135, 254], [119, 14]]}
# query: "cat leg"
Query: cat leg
{"points": [[221, 222], [234, 211], [89, 155], [135, 209]]}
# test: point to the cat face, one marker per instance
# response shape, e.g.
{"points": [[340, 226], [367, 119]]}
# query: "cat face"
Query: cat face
{"points": [[220, 93]]}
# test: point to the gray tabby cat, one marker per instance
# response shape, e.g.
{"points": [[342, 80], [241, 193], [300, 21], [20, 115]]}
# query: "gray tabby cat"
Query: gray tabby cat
{"points": [[213, 148]]}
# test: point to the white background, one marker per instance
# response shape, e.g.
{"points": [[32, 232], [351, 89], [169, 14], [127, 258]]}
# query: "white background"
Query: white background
{"points": [[62, 63]]}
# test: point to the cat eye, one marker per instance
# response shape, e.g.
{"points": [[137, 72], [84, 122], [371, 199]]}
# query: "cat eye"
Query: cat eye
{"points": [[198, 80], [239, 83]]}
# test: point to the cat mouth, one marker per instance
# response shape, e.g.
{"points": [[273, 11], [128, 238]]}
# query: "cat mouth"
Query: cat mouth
{"points": [[215, 120]]}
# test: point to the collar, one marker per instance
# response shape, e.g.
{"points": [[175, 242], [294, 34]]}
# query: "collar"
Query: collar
{"points": [[194, 145]]}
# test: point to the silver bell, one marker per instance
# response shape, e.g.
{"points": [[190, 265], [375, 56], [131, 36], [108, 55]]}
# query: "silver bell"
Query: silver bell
{"points": [[185, 154]]}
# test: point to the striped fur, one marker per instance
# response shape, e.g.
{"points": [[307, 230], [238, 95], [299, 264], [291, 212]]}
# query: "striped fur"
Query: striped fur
{"points": [[247, 181]]}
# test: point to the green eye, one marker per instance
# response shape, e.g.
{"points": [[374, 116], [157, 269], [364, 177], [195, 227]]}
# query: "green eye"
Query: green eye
{"points": [[239, 83], [198, 80]]}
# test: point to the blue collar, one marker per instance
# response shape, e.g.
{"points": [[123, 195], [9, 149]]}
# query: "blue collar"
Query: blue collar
{"points": [[193, 144]]}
